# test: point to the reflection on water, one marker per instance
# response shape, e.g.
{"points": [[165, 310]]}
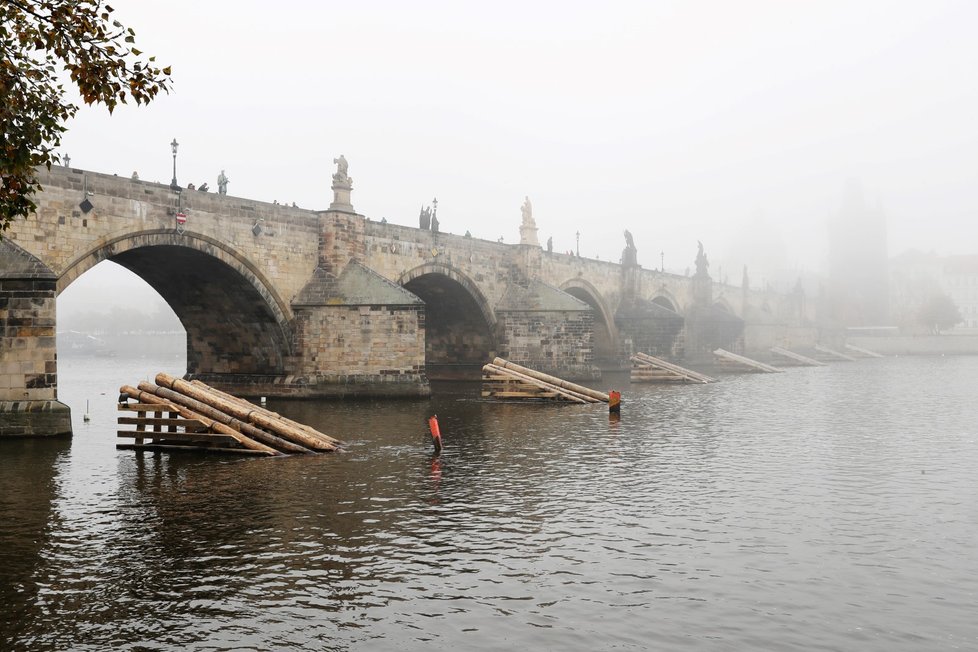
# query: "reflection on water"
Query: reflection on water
{"points": [[827, 508]]}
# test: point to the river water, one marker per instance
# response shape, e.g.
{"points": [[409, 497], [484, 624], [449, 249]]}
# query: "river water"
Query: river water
{"points": [[829, 508]]}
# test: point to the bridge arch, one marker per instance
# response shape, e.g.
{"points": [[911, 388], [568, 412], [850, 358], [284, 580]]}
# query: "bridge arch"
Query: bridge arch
{"points": [[605, 333], [235, 320], [460, 325], [667, 300], [721, 303]]}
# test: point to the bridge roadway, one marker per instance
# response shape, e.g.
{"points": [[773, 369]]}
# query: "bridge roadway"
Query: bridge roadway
{"points": [[285, 301]]}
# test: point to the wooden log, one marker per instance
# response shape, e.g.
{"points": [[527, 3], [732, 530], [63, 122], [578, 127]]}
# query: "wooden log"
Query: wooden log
{"points": [[746, 362], [573, 397], [863, 352], [832, 353], [796, 357], [188, 424], [226, 420], [275, 415], [149, 397], [186, 436], [661, 379], [663, 364], [243, 413], [170, 448], [553, 380]]}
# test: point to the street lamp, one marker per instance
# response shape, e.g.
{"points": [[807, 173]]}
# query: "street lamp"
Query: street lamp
{"points": [[173, 148], [578, 234], [662, 261]]}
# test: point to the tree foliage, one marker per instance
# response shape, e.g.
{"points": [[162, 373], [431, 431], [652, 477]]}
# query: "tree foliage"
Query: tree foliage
{"points": [[40, 40], [938, 313]]}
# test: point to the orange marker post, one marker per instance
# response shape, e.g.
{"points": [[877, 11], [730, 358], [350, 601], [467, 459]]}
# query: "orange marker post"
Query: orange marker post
{"points": [[614, 402], [435, 432]]}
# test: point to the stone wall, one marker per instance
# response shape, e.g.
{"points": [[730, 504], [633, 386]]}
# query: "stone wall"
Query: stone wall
{"points": [[645, 327], [28, 347], [378, 347], [555, 342]]}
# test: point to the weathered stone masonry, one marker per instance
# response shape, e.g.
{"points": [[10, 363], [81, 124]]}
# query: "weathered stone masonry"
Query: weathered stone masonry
{"points": [[28, 347], [279, 300]]}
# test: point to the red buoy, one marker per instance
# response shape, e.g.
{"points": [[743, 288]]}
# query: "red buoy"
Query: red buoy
{"points": [[435, 432]]}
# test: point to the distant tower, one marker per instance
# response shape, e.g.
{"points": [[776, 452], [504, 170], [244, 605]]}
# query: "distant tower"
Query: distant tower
{"points": [[858, 269]]}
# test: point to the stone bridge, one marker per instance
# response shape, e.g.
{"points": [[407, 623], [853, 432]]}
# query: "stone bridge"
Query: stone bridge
{"points": [[284, 301]]}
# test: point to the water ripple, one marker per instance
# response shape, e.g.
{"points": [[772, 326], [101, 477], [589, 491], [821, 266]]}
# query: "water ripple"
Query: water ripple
{"points": [[828, 508]]}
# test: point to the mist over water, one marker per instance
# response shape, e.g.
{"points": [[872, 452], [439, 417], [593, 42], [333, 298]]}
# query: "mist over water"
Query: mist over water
{"points": [[822, 508]]}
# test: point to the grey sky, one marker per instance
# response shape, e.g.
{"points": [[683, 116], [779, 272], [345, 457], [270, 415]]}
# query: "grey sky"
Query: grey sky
{"points": [[681, 121]]}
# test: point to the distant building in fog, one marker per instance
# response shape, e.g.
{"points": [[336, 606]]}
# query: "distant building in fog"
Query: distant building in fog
{"points": [[858, 287], [915, 277]]}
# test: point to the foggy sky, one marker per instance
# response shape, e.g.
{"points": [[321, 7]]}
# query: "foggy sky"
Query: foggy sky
{"points": [[680, 121]]}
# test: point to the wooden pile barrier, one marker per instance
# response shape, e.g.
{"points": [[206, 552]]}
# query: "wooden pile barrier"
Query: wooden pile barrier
{"points": [[502, 379], [199, 417], [796, 358], [866, 353], [649, 369], [733, 362], [832, 354]]}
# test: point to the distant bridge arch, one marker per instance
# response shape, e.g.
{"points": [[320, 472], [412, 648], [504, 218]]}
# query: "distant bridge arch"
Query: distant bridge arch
{"points": [[666, 300], [722, 304]]}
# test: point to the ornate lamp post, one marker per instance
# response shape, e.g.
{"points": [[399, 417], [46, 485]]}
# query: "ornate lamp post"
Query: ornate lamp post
{"points": [[173, 148], [578, 234]]}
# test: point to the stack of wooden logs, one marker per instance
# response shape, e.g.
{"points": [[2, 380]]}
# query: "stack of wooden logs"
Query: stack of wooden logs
{"points": [[502, 379], [199, 417], [649, 369], [728, 361]]}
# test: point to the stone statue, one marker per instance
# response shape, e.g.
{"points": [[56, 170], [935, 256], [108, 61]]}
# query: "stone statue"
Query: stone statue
{"points": [[222, 183], [629, 242], [341, 169], [702, 264], [528, 228], [550, 245], [342, 187], [630, 255], [527, 210], [424, 218]]}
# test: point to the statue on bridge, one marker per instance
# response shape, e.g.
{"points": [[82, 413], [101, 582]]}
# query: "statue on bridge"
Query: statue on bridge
{"points": [[527, 210], [222, 183], [702, 264], [342, 186], [424, 218], [528, 228], [629, 257], [342, 167]]}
